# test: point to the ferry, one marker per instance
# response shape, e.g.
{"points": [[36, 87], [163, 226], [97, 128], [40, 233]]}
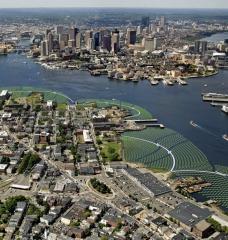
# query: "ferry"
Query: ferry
{"points": [[225, 108], [193, 124], [225, 137], [215, 97]]}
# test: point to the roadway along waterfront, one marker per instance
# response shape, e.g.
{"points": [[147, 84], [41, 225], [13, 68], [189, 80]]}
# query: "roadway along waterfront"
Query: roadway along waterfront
{"points": [[174, 106]]}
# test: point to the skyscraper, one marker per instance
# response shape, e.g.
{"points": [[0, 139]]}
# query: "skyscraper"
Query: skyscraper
{"points": [[59, 29], [107, 42], [78, 40], [162, 22], [96, 40], [50, 42], [72, 33], [115, 41], [148, 44], [131, 36], [197, 46], [87, 36], [203, 47], [145, 22], [44, 48]]}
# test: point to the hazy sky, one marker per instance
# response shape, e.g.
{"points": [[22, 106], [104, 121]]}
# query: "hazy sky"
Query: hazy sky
{"points": [[116, 3]]}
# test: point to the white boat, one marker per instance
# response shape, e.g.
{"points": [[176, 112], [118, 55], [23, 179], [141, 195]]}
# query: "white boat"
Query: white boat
{"points": [[154, 82], [168, 82], [225, 137], [193, 124], [225, 108], [158, 77]]}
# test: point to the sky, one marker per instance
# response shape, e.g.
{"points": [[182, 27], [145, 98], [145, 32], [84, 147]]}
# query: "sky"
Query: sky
{"points": [[115, 3]]}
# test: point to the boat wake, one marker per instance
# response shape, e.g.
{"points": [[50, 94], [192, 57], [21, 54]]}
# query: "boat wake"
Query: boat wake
{"points": [[204, 129]]}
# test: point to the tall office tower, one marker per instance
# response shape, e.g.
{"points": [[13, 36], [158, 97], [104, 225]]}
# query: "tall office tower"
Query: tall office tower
{"points": [[197, 46], [96, 40], [72, 43], [145, 22], [87, 36], [162, 22], [59, 30], [203, 47], [90, 44], [148, 43], [78, 40], [157, 43], [63, 40], [139, 30], [44, 48], [107, 42], [50, 40], [115, 41], [131, 36], [72, 33], [47, 31]]}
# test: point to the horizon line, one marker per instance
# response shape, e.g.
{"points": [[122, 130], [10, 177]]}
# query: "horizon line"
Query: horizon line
{"points": [[110, 7]]}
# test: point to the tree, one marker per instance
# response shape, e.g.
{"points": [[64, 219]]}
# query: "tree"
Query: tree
{"points": [[11, 203], [111, 150], [5, 160]]}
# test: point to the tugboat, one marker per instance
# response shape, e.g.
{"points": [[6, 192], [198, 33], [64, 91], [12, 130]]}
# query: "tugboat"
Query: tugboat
{"points": [[225, 137]]}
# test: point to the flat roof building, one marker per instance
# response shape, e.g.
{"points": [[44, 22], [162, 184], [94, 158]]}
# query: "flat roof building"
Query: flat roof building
{"points": [[189, 215]]}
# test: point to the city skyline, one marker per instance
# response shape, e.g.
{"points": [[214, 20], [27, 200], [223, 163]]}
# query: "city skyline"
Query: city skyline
{"points": [[117, 3]]}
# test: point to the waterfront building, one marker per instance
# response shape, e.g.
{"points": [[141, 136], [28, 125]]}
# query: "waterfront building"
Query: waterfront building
{"points": [[50, 42], [203, 47], [44, 49]]}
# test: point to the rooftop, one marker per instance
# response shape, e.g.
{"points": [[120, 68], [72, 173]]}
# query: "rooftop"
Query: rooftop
{"points": [[189, 214]]}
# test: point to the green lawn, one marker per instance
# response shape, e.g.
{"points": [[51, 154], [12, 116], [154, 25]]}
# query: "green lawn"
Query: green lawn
{"points": [[20, 92], [136, 112], [109, 149]]}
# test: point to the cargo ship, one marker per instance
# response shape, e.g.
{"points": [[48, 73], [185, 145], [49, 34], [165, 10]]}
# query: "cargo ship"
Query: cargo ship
{"points": [[215, 97]]}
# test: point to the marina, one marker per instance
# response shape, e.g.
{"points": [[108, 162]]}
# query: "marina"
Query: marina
{"points": [[174, 106]]}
